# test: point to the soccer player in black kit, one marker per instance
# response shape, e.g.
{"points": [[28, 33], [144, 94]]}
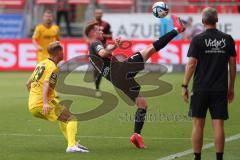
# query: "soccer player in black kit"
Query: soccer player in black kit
{"points": [[210, 54], [107, 35], [121, 74]]}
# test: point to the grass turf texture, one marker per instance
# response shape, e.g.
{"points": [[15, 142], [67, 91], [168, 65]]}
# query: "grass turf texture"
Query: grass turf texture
{"points": [[25, 137]]}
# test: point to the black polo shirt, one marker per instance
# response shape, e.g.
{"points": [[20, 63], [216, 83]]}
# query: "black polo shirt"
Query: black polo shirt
{"points": [[212, 49]]}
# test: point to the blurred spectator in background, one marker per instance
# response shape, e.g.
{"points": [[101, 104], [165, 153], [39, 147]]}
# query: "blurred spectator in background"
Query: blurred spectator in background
{"points": [[105, 26], [44, 34], [62, 11], [107, 34], [192, 30], [188, 34]]}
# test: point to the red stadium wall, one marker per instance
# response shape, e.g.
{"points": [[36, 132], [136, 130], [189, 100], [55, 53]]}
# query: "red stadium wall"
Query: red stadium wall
{"points": [[20, 55]]}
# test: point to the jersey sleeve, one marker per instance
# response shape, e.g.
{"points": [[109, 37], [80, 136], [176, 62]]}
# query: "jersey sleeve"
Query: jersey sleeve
{"points": [[51, 75], [97, 45], [232, 48], [193, 50], [37, 32]]}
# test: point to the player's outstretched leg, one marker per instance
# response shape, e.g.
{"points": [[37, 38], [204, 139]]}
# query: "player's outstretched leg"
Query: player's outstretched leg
{"points": [[136, 138], [141, 103], [164, 40]]}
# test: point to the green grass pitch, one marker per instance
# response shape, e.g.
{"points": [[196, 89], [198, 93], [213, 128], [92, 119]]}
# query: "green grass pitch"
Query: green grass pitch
{"points": [[25, 137]]}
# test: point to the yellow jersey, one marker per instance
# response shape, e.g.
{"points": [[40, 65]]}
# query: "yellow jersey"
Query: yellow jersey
{"points": [[44, 37], [46, 70]]}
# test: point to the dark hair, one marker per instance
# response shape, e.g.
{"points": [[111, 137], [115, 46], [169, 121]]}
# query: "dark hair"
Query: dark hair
{"points": [[54, 47], [209, 16], [49, 11], [89, 27]]}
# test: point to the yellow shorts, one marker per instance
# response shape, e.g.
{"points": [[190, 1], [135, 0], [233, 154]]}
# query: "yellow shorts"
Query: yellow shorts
{"points": [[53, 114]]}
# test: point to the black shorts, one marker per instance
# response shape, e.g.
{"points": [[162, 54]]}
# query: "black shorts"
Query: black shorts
{"points": [[216, 102], [124, 73]]}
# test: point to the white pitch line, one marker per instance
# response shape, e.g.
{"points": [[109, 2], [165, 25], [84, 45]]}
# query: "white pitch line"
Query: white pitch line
{"points": [[206, 146], [96, 137]]}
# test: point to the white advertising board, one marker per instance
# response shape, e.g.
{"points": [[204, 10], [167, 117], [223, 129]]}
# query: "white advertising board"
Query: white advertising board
{"points": [[146, 26]]}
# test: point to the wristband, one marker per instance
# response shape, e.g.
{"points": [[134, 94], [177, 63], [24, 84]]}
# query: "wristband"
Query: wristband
{"points": [[184, 86]]}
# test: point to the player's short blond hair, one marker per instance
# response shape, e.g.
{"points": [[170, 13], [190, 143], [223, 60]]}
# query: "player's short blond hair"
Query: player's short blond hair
{"points": [[54, 47]]}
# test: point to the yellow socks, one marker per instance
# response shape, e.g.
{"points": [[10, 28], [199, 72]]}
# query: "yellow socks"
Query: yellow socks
{"points": [[63, 128], [69, 131]]}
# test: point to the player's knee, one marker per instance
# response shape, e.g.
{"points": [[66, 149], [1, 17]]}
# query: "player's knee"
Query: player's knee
{"points": [[65, 116], [147, 52], [141, 103], [198, 122]]}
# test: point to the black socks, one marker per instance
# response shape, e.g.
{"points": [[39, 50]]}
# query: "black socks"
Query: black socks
{"points": [[197, 156], [139, 120], [98, 80], [164, 40], [219, 156]]}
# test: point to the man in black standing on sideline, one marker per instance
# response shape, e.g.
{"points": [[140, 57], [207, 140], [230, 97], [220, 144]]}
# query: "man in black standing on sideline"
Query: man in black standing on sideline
{"points": [[107, 35], [63, 9], [209, 54]]}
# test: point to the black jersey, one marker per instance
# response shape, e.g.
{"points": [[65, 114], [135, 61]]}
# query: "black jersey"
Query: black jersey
{"points": [[101, 64], [121, 74], [212, 49]]}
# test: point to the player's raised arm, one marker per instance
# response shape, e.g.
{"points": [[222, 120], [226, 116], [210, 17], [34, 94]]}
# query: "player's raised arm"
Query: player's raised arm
{"points": [[105, 52], [110, 48], [114, 46]]}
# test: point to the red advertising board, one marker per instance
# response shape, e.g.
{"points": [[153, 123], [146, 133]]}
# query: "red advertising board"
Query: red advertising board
{"points": [[20, 55]]}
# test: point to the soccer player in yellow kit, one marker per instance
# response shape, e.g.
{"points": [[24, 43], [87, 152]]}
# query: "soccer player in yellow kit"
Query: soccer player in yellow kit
{"points": [[44, 34], [42, 102]]}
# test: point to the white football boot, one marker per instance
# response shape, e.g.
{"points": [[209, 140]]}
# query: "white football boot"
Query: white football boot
{"points": [[75, 149], [81, 146]]}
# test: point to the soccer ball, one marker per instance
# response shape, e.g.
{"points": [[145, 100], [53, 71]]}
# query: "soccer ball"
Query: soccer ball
{"points": [[160, 9]]}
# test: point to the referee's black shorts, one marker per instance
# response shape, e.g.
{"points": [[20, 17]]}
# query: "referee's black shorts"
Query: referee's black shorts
{"points": [[124, 78], [215, 101]]}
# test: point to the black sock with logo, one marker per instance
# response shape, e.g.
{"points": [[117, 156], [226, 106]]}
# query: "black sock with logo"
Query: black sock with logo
{"points": [[139, 120], [164, 40]]}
